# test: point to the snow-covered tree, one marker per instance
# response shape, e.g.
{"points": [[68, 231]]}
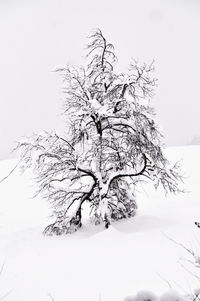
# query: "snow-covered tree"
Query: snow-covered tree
{"points": [[112, 143]]}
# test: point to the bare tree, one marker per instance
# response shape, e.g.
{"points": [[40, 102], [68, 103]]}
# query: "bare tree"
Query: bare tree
{"points": [[112, 142]]}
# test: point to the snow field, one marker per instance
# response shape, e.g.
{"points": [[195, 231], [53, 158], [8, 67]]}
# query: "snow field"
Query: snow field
{"points": [[94, 264]]}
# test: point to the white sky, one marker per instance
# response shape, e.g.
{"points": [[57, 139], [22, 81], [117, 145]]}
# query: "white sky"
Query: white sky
{"points": [[36, 36]]}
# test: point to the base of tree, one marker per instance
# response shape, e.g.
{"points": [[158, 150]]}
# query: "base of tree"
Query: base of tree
{"points": [[63, 227], [68, 226]]}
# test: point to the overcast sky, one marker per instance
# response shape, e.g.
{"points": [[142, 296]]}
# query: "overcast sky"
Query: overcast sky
{"points": [[37, 36]]}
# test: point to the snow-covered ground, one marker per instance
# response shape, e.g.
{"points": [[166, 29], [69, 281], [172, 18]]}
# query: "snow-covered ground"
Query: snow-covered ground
{"points": [[93, 263]]}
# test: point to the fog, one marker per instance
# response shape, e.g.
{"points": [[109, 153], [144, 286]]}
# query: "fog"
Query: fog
{"points": [[39, 35]]}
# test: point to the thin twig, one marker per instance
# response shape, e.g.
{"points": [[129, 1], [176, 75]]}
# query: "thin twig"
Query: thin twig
{"points": [[165, 280], [194, 275], [2, 267], [179, 244], [10, 171], [50, 296], [6, 295]]}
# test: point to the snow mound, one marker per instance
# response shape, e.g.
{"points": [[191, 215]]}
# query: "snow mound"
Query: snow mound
{"points": [[143, 295], [172, 295]]}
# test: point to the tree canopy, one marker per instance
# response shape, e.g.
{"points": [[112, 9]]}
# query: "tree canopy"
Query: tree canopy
{"points": [[112, 142]]}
